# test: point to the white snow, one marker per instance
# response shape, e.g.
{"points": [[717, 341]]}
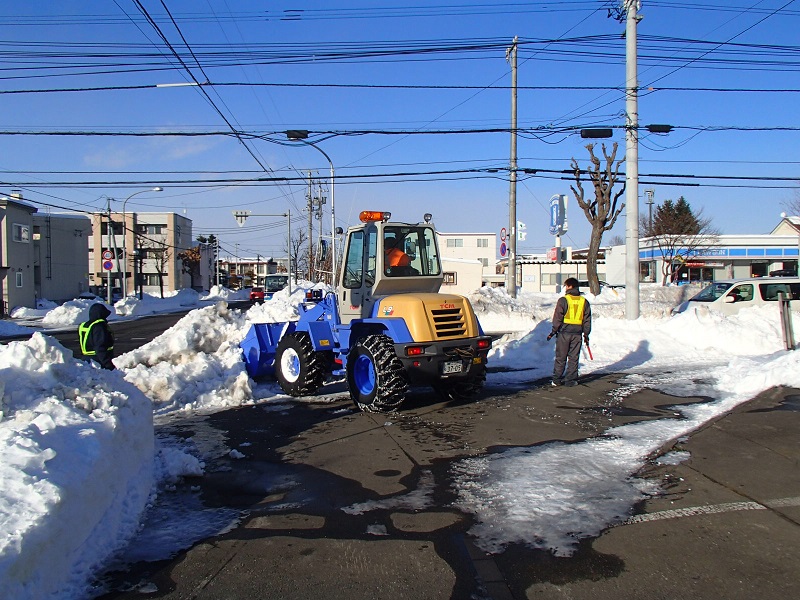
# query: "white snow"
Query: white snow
{"points": [[81, 464]]}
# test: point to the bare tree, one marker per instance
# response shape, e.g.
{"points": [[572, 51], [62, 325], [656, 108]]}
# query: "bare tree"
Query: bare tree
{"points": [[602, 211], [679, 234], [299, 255], [793, 205], [160, 255], [617, 240]]}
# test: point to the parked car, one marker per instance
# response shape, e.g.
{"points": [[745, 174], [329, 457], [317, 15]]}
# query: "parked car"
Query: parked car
{"points": [[275, 283], [102, 294], [783, 273], [730, 296], [257, 294]]}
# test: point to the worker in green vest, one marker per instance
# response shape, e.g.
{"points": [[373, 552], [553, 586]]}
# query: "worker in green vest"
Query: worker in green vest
{"points": [[572, 320], [97, 341]]}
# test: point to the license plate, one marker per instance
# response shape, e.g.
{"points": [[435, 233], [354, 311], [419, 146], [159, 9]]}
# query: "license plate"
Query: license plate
{"points": [[452, 367]]}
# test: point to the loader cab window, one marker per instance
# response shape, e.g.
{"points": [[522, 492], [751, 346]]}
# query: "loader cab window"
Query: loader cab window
{"points": [[410, 251], [354, 261]]}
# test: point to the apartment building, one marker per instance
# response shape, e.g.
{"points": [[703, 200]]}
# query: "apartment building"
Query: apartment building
{"points": [[139, 254]]}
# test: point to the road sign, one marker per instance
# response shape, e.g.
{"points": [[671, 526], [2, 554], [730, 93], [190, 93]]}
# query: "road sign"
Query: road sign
{"points": [[558, 214], [241, 216], [503, 249], [107, 255], [503, 234], [108, 265]]}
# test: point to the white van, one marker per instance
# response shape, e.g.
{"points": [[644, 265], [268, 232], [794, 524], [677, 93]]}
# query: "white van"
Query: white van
{"points": [[730, 296]]}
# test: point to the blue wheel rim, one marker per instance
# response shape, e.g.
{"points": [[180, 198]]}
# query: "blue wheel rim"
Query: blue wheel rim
{"points": [[364, 375]]}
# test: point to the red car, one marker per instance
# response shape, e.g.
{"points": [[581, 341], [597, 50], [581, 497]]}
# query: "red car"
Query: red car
{"points": [[257, 294]]}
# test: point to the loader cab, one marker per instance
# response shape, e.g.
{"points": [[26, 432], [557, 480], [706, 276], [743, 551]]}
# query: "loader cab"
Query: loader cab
{"points": [[383, 258]]}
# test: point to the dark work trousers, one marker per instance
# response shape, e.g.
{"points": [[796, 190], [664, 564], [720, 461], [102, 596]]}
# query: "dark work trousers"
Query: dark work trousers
{"points": [[568, 350]]}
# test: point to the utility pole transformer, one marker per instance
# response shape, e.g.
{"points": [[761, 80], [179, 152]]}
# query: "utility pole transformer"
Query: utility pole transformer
{"points": [[511, 56]]}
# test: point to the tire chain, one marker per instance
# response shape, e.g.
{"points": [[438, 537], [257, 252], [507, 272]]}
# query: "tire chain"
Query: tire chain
{"points": [[393, 389], [315, 373]]}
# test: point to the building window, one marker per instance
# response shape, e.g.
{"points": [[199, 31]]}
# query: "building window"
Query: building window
{"points": [[450, 278], [483, 243], [484, 261], [116, 228], [152, 229], [20, 233], [19, 279], [455, 243], [550, 278], [647, 272], [151, 279]]}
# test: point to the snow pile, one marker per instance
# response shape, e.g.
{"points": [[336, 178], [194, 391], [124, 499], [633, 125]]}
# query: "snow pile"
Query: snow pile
{"points": [[73, 312], [77, 468], [196, 364]]}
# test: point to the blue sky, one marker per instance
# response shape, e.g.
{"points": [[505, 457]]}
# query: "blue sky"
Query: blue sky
{"points": [[379, 67]]}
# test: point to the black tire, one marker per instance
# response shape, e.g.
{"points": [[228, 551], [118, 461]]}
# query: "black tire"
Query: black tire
{"points": [[461, 389], [375, 376], [298, 368]]}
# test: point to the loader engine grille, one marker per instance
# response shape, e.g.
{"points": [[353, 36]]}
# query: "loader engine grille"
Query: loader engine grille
{"points": [[449, 322]]}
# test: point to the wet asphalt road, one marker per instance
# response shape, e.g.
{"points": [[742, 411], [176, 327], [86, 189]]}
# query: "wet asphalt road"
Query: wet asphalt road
{"points": [[726, 526]]}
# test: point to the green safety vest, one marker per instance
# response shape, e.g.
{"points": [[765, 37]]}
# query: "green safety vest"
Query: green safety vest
{"points": [[83, 335], [575, 306]]}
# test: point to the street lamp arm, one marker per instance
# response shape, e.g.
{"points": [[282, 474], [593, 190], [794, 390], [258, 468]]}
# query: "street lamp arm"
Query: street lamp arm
{"points": [[299, 136], [125, 237]]}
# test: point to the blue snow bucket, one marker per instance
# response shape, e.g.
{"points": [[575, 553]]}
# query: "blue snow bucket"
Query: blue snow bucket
{"points": [[258, 348]]}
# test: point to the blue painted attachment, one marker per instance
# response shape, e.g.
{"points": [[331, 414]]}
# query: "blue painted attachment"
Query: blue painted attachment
{"points": [[258, 347]]}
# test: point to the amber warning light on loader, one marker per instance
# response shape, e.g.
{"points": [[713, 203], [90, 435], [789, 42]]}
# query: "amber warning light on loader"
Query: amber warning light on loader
{"points": [[370, 216]]}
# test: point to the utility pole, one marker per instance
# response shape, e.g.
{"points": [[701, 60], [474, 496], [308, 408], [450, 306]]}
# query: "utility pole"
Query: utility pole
{"points": [[216, 256], [511, 56], [631, 164], [109, 230], [309, 198]]}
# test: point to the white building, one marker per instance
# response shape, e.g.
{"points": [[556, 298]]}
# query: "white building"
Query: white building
{"points": [[728, 257], [468, 261]]}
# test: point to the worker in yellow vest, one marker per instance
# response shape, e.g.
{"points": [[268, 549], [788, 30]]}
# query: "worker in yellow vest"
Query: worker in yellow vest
{"points": [[572, 320], [97, 341]]}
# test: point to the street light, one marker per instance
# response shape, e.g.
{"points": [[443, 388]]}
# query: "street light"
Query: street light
{"points": [[125, 238], [301, 135]]}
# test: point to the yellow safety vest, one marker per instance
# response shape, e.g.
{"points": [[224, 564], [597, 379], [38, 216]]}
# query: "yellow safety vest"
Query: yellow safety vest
{"points": [[575, 306], [83, 335]]}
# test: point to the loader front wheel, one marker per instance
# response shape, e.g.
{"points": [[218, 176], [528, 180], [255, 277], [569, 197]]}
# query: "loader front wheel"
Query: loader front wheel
{"points": [[375, 376], [298, 368]]}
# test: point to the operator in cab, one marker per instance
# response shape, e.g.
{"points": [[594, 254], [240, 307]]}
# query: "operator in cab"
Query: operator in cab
{"points": [[395, 257]]}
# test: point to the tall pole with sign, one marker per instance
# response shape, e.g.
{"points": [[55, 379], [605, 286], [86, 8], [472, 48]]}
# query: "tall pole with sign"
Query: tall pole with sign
{"points": [[511, 56], [558, 225]]}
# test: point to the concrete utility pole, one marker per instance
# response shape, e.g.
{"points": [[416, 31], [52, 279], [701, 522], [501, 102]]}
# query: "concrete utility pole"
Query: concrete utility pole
{"points": [[109, 231], [310, 195], [631, 164], [511, 56]]}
